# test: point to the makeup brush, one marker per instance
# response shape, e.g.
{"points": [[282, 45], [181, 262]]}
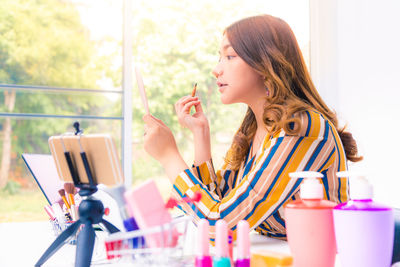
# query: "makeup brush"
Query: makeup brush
{"points": [[194, 90], [70, 189], [50, 212], [62, 194]]}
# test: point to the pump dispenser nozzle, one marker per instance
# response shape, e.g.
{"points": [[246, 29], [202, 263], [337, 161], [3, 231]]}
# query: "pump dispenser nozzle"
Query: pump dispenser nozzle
{"points": [[310, 188], [360, 188]]}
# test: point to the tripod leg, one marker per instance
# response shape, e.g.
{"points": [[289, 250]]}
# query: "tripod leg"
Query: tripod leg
{"points": [[84, 246], [109, 226], [58, 243]]}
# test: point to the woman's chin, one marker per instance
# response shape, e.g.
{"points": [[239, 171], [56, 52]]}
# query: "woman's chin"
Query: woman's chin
{"points": [[225, 100]]}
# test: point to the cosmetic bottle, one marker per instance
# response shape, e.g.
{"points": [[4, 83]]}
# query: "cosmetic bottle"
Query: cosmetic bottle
{"points": [[129, 222], [203, 258], [243, 244], [364, 229], [221, 258], [309, 224], [146, 205]]}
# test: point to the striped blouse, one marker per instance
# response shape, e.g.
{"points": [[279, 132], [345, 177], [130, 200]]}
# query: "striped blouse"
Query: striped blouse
{"points": [[259, 196]]}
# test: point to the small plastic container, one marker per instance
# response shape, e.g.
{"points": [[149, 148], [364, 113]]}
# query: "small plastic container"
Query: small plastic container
{"points": [[119, 246]]}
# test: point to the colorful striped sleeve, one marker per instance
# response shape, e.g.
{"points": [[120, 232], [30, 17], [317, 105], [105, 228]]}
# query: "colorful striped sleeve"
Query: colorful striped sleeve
{"points": [[220, 183], [267, 185]]}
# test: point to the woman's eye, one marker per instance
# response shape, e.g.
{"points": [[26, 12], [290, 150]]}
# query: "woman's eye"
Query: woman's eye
{"points": [[230, 57]]}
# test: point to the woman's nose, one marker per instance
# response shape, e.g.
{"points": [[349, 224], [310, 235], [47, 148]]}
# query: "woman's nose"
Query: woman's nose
{"points": [[217, 71]]}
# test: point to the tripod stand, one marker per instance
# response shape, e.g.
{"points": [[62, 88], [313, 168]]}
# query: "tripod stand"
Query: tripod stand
{"points": [[91, 212]]}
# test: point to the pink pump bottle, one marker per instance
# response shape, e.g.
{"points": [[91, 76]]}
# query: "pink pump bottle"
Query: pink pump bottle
{"points": [[309, 224], [364, 229]]}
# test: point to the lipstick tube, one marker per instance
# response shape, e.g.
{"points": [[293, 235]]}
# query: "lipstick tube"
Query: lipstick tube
{"points": [[221, 258], [203, 258], [243, 244]]}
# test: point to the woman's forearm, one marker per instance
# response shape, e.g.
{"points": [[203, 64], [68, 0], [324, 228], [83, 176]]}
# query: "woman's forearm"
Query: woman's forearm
{"points": [[202, 145], [173, 165]]}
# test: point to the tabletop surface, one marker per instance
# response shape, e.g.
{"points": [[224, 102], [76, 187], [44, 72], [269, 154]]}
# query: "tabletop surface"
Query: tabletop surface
{"points": [[23, 243]]}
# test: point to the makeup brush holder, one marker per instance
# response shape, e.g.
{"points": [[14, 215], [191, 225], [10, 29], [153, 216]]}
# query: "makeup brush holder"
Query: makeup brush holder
{"points": [[58, 228]]}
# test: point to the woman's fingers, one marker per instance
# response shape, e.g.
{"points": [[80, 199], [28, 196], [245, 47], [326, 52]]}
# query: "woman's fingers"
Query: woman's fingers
{"points": [[198, 107], [187, 106], [183, 101], [151, 121], [146, 129], [178, 103]]}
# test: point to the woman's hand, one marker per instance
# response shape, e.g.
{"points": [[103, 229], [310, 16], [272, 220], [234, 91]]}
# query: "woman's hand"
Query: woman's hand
{"points": [[196, 122], [160, 143]]}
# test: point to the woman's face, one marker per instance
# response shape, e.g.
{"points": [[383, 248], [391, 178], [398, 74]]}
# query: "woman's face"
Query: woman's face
{"points": [[236, 80]]}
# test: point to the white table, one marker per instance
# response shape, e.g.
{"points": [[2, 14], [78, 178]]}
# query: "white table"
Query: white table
{"points": [[23, 243]]}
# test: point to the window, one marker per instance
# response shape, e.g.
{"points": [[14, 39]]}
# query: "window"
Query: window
{"points": [[62, 60]]}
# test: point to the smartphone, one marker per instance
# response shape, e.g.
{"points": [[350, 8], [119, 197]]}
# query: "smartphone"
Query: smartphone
{"points": [[100, 151]]}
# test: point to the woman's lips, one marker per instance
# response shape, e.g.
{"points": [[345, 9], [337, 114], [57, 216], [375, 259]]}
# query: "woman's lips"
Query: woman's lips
{"points": [[221, 86]]}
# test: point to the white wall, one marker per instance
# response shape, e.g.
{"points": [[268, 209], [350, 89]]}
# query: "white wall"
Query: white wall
{"points": [[355, 63]]}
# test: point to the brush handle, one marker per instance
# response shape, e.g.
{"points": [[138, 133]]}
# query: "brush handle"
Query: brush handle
{"points": [[194, 90], [74, 213], [71, 199], [50, 212], [66, 202]]}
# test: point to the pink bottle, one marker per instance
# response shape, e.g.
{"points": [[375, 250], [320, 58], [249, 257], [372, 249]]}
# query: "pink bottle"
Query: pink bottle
{"points": [[364, 229], [146, 205], [309, 224]]}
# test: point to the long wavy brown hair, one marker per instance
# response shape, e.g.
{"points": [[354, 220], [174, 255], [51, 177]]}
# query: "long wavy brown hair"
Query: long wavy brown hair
{"points": [[268, 45]]}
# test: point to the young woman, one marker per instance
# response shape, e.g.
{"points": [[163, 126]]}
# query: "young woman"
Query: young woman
{"points": [[287, 128]]}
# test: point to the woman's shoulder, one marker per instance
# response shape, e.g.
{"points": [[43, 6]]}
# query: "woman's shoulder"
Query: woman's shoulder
{"points": [[313, 124]]}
